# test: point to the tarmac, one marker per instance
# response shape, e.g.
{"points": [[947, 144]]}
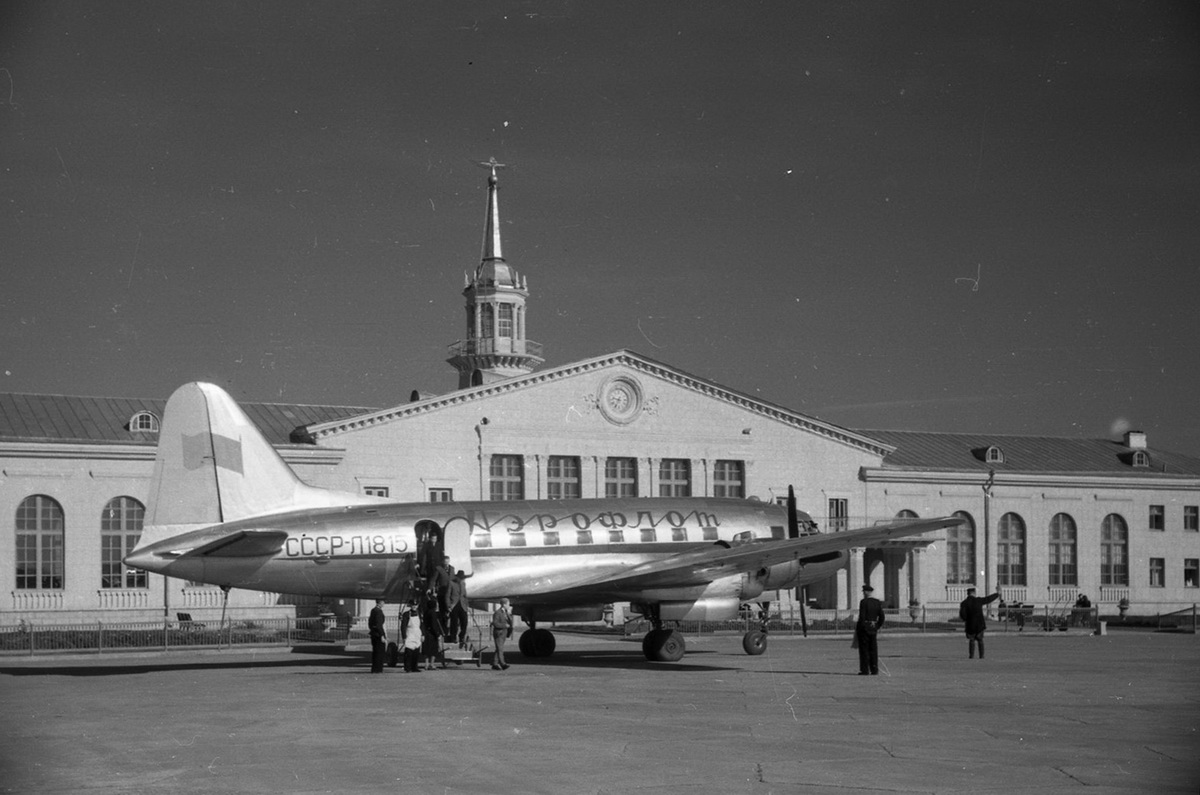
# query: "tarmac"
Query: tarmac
{"points": [[1043, 713]]}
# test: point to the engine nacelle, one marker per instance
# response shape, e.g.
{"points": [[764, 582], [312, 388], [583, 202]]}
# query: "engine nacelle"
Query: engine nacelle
{"points": [[781, 576], [721, 608]]}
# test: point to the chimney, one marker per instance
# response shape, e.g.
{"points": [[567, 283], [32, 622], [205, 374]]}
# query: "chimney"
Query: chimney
{"points": [[1135, 440]]}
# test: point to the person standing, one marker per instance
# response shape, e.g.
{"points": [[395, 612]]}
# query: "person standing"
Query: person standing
{"points": [[440, 588], [866, 631], [502, 626], [431, 644], [378, 630], [458, 609], [971, 613], [410, 631]]}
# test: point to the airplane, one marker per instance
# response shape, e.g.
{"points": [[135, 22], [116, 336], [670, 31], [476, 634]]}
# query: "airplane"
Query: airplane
{"points": [[224, 508]]}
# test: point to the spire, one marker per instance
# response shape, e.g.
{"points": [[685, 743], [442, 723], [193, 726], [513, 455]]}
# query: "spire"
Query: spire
{"points": [[495, 346], [491, 230]]}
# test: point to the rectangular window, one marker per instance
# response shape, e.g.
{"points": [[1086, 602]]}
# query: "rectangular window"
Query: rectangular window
{"points": [[1191, 572], [504, 320], [620, 477], [1158, 570], [679, 534], [648, 535], [616, 536], [839, 515], [675, 477], [550, 538], [376, 491], [1191, 518], [507, 480], [1158, 517], [583, 537], [440, 495], [729, 479], [562, 477]]}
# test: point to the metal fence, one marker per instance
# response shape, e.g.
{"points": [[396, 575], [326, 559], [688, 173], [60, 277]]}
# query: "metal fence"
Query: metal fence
{"points": [[109, 637]]}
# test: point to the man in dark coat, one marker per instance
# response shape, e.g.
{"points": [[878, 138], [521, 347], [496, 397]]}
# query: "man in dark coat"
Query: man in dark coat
{"points": [[459, 617], [375, 624], [971, 613], [866, 632]]}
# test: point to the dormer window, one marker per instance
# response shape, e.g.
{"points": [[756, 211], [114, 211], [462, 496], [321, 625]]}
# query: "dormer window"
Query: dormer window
{"points": [[1140, 458], [143, 422], [994, 455]]}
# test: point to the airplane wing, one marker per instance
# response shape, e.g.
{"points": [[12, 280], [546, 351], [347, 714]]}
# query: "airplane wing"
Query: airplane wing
{"points": [[701, 566]]}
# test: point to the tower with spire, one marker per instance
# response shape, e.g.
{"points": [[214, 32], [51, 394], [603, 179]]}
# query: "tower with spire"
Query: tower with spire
{"points": [[495, 347]]}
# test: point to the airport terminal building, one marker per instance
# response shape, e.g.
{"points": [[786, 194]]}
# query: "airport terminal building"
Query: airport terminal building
{"points": [[1048, 518]]}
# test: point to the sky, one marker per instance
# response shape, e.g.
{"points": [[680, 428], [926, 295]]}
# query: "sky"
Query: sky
{"points": [[938, 216]]}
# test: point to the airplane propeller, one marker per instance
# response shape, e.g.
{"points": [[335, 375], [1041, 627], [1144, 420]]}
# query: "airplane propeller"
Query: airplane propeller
{"points": [[794, 532]]}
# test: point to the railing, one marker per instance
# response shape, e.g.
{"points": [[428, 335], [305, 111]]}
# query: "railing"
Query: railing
{"points": [[496, 345], [1013, 593], [1062, 594], [123, 598], [37, 600], [1113, 593], [202, 597], [103, 637], [956, 593]]}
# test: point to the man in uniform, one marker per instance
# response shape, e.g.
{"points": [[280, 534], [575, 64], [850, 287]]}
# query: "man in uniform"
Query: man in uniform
{"points": [[971, 613], [502, 627], [866, 631], [375, 624]]}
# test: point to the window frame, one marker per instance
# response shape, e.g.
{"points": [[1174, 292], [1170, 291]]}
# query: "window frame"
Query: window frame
{"points": [[41, 538], [564, 477], [1062, 550], [729, 478], [1114, 550], [675, 477], [506, 477], [620, 477], [1158, 572], [960, 552], [121, 523], [1012, 541], [1156, 518]]}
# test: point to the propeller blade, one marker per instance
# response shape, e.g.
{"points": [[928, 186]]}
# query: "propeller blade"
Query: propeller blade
{"points": [[793, 520]]}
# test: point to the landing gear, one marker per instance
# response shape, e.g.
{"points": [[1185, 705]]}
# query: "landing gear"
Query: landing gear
{"points": [[536, 642], [660, 644], [754, 642], [664, 645]]}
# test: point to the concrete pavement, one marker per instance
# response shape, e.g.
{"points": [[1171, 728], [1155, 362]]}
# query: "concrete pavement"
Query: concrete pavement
{"points": [[1044, 713]]}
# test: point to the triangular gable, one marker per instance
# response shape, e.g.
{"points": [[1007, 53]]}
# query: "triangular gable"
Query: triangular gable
{"points": [[622, 358]]}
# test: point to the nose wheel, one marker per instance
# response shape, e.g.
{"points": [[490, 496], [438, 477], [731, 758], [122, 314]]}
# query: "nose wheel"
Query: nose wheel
{"points": [[754, 642]]}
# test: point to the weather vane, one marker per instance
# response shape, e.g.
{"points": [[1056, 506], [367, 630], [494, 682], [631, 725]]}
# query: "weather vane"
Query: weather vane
{"points": [[493, 165]]}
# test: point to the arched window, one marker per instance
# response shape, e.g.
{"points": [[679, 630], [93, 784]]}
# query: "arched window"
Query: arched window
{"points": [[1062, 550], [120, 529], [1114, 551], [994, 455], [960, 552], [40, 539], [144, 421], [1141, 459], [1010, 550]]}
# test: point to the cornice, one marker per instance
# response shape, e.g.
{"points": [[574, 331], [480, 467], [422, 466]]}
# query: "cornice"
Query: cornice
{"points": [[624, 358], [1078, 480], [76, 451]]}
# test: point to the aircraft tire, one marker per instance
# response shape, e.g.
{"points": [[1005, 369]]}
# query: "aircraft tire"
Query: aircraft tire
{"points": [[664, 645], [754, 642], [537, 643]]}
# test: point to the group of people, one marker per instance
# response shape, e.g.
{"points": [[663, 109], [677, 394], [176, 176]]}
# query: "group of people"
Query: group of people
{"points": [[440, 612], [871, 618]]}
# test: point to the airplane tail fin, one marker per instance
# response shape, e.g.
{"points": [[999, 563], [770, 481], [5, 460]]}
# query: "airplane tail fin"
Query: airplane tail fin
{"points": [[213, 466]]}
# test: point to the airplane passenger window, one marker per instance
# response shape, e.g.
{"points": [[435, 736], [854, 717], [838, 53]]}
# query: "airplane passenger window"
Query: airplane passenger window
{"points": [[616, 536], [710, 534], [583, 537], [516, 539], [648, 535], [481, 540], [550, 538], [679, 534]]}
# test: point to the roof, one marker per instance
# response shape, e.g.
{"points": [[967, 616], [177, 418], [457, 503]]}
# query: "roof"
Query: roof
{"points": [[916, 450], [105, 420]]}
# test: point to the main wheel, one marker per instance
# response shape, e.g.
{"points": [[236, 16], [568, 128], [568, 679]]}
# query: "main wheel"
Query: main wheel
{"points": [[537, 643], [754, 642], [663, 645]]}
